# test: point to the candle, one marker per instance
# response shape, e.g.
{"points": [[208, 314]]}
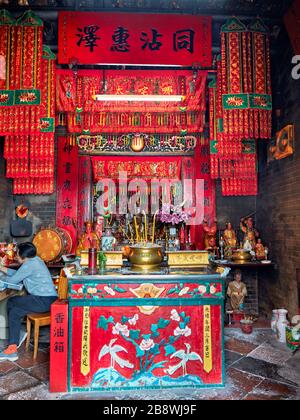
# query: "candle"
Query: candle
{"points": [[153, 227], [136, 230], [146, 228]]}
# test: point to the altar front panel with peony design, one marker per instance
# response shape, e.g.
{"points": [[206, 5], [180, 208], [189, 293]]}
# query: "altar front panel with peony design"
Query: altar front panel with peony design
{"points": [[145, 334]]}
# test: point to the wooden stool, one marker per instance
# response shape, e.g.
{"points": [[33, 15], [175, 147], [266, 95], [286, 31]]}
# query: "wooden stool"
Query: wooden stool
{"points": [[38, 320]]}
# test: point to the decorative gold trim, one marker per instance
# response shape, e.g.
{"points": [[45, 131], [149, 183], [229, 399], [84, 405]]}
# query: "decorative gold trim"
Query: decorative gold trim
{"points": [[188, 258], [114, 258], [147, 290]]}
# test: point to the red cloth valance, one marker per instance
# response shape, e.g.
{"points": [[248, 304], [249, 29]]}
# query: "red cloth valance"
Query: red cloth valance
{"points": [[75, 93]]}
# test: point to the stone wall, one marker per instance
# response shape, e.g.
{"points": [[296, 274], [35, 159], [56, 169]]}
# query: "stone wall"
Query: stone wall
{"points": [[279, 197]]}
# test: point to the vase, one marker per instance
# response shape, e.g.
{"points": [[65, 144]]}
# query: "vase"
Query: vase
{"points": [[173, 242], [107, 240], [274, 321], [282, 325]]}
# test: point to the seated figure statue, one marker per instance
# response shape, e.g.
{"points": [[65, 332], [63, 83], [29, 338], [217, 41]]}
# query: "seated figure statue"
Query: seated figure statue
{"points": [[229, 236], [237, 292], [89, 239]]}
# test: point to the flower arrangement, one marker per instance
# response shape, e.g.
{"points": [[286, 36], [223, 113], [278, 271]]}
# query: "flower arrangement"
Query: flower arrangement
{"points": [[174, 215]]}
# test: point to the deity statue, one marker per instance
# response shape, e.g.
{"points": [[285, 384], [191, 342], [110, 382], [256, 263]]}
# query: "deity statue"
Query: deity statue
{"points": [[237, 291], [88, 239], [260, 250], [251, 234], [210, 235], [99, 226], [229, 236]]}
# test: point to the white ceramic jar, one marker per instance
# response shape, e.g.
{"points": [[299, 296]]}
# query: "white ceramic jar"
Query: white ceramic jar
{"points": [[274, 321], [281, 325]]}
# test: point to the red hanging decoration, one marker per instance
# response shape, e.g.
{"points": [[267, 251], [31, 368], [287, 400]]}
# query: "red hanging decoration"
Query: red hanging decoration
{"points": [[76, 97], [20, 54], [27, 104], [242, 106]]}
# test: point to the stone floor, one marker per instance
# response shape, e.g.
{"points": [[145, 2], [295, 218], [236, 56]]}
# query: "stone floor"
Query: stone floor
{"points": [[257, 368]]}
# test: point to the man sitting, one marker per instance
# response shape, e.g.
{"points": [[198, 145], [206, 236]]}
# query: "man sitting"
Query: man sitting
{"points": [[36, 279]]}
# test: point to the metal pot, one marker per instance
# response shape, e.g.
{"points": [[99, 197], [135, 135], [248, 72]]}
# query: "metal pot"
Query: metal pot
{"points": [[241, 255], [145, 257]]}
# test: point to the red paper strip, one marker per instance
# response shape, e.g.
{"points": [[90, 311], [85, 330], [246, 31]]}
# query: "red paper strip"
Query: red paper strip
{"points": [[67, 188], [84, 191]]}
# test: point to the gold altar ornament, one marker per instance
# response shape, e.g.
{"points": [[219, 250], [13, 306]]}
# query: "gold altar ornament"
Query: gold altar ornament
{"points": [[138, 143], [188, 258], [147, 291], [113, 259]]}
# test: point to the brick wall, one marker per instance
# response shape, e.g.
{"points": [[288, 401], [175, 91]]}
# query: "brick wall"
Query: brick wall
{"points": [[42, 208], [279, 198], [232, 209]]}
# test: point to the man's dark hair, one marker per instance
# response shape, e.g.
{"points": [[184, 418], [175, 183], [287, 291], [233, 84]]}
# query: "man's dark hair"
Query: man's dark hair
{"points": [[27, 250]]}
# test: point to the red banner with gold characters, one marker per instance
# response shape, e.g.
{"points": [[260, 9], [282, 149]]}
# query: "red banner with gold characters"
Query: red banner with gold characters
{"points": [[59, 347], [123, 38], [67, 187]]}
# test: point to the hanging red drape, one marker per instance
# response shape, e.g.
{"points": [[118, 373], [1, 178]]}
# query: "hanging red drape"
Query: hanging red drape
{"points": [[76, 91]]}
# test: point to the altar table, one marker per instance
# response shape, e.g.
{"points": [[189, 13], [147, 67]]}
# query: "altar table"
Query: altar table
{"points": [[124, 330]]}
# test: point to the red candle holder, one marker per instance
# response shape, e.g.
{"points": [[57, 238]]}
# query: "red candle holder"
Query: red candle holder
{"points": [[92, 267]]}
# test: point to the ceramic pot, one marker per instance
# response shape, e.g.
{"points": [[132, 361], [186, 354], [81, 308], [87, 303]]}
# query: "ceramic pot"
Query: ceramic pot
{"points": [[274, 321], [281, 325], [246, 326]]}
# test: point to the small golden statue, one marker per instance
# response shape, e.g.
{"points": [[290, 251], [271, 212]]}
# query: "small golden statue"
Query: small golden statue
{"points": [[88, 239], [251, 234], [210, 235], [229, 236], [237, 291], [260, 250]]}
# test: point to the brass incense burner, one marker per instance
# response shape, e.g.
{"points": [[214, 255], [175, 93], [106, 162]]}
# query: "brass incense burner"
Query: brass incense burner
{"points": [[240, 255], [145, 256]]}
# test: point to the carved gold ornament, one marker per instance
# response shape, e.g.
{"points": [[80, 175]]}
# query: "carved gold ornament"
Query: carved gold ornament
{"points": [[147, 291]]}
